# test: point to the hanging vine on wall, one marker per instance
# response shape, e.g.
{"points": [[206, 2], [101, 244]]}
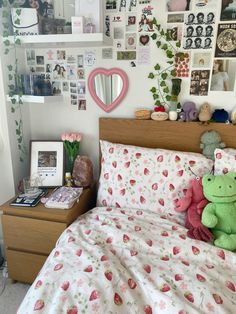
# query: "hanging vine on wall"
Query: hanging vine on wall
{"points": [[162, 92], [14, 80]]}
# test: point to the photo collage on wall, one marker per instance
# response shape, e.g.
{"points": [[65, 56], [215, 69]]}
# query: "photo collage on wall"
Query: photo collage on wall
{"points": [[60, 70], [202, 26], [129, 22]]}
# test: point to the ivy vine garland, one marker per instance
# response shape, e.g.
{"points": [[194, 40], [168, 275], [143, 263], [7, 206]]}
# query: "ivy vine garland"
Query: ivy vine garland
{"points": [[14, 80], [162, 92]]}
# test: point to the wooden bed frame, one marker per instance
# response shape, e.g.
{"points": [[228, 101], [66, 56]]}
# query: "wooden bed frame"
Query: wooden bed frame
{"points": [[182, 136]]}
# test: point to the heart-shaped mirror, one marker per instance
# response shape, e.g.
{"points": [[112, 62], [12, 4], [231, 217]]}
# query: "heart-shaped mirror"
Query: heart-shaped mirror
{"points": [[108, 87]]}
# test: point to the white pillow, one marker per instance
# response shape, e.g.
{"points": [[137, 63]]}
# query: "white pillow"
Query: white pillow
{"points": [[146, 178], [225, 160]]}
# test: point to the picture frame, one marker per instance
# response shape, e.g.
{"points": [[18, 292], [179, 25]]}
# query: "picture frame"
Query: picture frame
{"points": [[47, 160]]}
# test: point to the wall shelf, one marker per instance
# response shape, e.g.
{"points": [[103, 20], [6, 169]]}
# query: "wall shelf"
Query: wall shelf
{"points": [[38, 99], [68, 40]]}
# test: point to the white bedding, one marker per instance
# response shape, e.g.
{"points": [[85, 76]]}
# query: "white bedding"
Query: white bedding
{"points": [[114, 260]]}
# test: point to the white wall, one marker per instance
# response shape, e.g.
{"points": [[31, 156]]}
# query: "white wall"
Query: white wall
{"points": [[50, 120]]}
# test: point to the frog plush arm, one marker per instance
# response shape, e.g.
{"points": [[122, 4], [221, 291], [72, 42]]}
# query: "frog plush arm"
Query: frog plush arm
{"points": [[209, 218]]}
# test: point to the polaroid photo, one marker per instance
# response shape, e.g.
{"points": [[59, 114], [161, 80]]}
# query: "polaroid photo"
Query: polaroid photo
{"points": [[73, 91], [201, 59], [178, 6], [65, 86], [81, 104], [126, 55], [223, 75], [59, 71], [71, 59], [89, 58], [118, 33], [175, 18], [73, 102], [130, 41], [107, 53], [73, 84], [61, 55], [81, 88], [56, 87], [30, 57], [80, 74], [48, 68], [40, 60], [71, 71], [111, 5], [131, 23]]}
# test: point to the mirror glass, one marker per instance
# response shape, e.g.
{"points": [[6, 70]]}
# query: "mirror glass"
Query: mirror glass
{"points": [[223, 75], [108, 87]]}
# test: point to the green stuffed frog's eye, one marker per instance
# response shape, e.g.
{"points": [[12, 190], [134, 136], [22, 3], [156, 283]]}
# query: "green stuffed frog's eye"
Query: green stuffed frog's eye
{"points": [[234, 178], [209, 179]]}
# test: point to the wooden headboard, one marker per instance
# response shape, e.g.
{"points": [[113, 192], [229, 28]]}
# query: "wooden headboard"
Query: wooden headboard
{"points": [[182, 136]]}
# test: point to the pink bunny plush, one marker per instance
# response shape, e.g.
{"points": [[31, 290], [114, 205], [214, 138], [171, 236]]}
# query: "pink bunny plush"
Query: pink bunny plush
{"points": [[194, 202]]}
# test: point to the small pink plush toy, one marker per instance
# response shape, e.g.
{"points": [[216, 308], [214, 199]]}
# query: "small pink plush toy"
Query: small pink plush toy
{"points": [[194, 202]]}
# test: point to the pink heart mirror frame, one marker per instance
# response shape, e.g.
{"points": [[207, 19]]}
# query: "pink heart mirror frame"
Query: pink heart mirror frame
{"points": [[108, 72]]}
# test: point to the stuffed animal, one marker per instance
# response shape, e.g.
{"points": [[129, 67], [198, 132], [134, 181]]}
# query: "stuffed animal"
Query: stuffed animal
{"points": [[220, 214], [233, 116], [220, 115], [189, 112], [210, 140], [194, 202], [205, 112]]}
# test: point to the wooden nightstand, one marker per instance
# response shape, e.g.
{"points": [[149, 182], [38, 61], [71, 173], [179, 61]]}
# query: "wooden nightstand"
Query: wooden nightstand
{"points": [[30, 234]]}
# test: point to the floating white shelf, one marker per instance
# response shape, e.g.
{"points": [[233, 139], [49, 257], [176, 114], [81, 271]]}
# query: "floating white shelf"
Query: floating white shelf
{"points": [[68, 40], [38, 99]]}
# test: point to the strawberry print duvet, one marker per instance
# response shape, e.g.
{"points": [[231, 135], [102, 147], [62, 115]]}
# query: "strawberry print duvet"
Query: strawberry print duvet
{"points": [[114, 260]]}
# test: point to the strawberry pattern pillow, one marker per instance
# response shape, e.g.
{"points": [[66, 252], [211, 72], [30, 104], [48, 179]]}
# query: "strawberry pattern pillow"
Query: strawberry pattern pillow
{"points": [[225, 160], [145, 178]]}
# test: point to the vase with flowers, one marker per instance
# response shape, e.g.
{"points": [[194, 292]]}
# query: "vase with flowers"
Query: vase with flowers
{"points": [[71, 143]]}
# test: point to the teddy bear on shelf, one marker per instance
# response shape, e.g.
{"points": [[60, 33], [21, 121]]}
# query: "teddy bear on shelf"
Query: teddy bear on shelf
{"points": [[193, 203], [189, 112], [210, 140], [220, 214]]}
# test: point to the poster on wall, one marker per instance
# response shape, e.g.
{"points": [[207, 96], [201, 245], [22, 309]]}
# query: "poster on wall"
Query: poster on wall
{"points": [[199, 82], [201, 60], [178, 6], [111, 6], [223, 75], [226, 41], [145, 23], [228, 10]]}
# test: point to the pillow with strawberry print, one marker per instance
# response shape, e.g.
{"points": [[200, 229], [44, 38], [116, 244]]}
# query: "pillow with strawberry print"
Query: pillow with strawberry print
{"points": [[146, 178], [225, 160]]}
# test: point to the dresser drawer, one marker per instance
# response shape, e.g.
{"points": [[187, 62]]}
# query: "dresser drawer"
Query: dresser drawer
{"points": [[31, 235], [24, 267]]}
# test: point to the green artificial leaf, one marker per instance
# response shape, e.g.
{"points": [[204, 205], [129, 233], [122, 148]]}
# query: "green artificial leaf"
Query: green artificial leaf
{"points": [[19, 139], [168, 97], [17, 22], [157, 103], [19, 146], [18, 12], [158, 43], [178, 105], [13, 101], [12, 109], [158, 26], [17, 132], [6, 25], [154, 36], [154, 21], [6, 51], [170, 62], [157, 67], [151, 75], [6, 42], [163, 83], [155, 96], [166, 90], [153, 89], [164, 47], [169, 54], [164, 76], [178, 44], [162, 32], [10, 67], [173, 73], [11, 87], [17, 41], [5, 14], [21, 159], [5, 33], [10, 77], [16, 122]]}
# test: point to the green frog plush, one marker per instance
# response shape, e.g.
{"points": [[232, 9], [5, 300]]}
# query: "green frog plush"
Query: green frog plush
{"points": [[220, 214]]}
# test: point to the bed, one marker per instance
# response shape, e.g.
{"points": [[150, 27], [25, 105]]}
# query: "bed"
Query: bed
{"points": [[138, 258]]}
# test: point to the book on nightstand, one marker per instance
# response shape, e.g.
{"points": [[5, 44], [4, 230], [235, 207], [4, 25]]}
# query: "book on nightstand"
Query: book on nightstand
{"points": [[23, 200]]}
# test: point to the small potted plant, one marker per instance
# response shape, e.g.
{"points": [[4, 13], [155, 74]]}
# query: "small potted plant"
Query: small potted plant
{"points": [[176, 88]]}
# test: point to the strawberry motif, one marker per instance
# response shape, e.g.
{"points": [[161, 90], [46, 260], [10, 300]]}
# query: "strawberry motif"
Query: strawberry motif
{"points": [[130, 218], [39, 305], [108, 209], [104, 203], [132, 182], [218, 156], [183, 312], [178, 277], [148, 309], [176, 250], [189, 297], [137, 228], [147, 268], [117, 205], [186, 263], [165, 234], [142, 200], [118, 226], [57, 253], [122, 211], [155, 186], [160, 158], [165, 258], [122, 192], [114, 164], [111, 150], [106, 176], [174, 228], [161, 201], [125, 152], [149, 242], [209, 266], [119, 177], [94, 295], [133, 252], [225, 170], [230, 286], [182, 236], [113, 251], [146, 172], [58, 267], [195, 250], [110, 191], [125, 238], [117, 299], [139, 212], [217, 298], [138, 155], [132, 284], [71, 239], [38, 284], [72, 310], [88, 269], [104, 258], [65, 285], [109, 240], [171, 187], [127, 164], [165, 288], [165, 173], [180, 173], [177, 158], [200, 278], [192, 163], [221, 254], [87, 231]]}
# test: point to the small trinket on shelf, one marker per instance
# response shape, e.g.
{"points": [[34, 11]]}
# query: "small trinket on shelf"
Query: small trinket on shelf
{"points": [[68, 179]]}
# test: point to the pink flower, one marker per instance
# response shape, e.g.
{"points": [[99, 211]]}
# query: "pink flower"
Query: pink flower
{"points": [[123, 287], [162, 305], [71, 137], [210, 307]]}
